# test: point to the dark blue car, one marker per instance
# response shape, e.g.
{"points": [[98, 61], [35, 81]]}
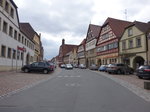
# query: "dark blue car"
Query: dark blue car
{"points": [[102, 68]]}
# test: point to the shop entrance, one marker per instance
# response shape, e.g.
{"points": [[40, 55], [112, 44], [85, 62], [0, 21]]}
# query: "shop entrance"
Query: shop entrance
{"points": [[138, 61]]}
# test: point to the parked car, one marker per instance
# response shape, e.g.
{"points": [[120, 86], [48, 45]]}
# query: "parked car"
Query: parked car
{"points": [[75, 66], [119, 68], [62, 66], [52, 66], [143, 71], [93, 67], [44, 67], [68, 66], [82, 66], [102, 68]]}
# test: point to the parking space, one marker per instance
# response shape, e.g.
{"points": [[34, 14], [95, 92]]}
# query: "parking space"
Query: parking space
{"points": [[12, 81]]}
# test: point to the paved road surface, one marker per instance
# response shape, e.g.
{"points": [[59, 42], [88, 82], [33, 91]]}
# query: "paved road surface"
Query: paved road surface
{"points": [[75, 91]]}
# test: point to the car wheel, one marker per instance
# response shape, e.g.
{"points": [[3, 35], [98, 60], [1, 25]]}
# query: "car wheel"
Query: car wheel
{"points": [[45, 71], [140, 77], [26, 70], [131, 72], [119, 72]]}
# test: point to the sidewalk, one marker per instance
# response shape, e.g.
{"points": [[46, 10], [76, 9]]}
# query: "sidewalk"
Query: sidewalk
{"points": [[14, 81], [131, 82]]}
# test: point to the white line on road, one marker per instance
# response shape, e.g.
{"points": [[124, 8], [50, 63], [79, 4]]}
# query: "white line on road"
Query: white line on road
{"points": [[72, 85], [72, 76]]}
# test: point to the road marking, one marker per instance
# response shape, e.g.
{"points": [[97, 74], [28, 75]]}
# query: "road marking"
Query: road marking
{"points": [[72, 85], [59, 76], [72, 76]]}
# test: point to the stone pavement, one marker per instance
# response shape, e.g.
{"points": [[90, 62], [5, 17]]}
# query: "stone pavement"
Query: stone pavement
{"points": [[12, 82], [131, 82]]}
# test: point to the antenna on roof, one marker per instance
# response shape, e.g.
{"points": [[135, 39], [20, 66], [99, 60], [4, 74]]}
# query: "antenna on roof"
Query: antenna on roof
{"points": [[125, 12]]}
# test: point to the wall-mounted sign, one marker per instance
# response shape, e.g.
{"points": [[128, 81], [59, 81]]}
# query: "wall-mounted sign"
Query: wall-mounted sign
{"points": [[21, 49]]}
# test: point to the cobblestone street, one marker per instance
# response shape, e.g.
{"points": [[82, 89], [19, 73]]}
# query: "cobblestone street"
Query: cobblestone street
{"points": [[13, 81]]}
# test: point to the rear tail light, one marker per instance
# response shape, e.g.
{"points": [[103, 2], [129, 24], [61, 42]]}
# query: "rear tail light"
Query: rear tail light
{"points": [[113, 67], [147, 70]]}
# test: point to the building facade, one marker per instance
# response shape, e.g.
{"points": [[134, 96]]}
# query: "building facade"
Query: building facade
{"points": [[90, 47], [148, 45], [107, 44], [16, 49], [63, 50], [134, 45], [81, 53], [30, 32]]}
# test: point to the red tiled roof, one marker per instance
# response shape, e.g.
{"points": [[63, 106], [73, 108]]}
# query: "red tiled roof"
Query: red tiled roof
{"points": [[117, 25], [83, 42], [94, 30], [144, 27], [67, 48]]}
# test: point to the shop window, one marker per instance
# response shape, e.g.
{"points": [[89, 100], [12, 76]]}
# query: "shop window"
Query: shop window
{"points": [[9, 53], [15, 34], [138, 42], [10, 31], [12, 12], [5, 26], [18, 55], [21, 55], [3, 51]]}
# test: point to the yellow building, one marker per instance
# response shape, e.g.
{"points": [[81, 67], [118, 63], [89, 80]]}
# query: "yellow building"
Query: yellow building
{"points": [[133, 45], [37, 52]]}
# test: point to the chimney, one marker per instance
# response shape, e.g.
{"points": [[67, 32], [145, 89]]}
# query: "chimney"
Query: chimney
{"points": [[63, 41]]}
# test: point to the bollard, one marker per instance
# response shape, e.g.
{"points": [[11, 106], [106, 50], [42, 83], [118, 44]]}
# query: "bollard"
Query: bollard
{"points": [[147, 85]]}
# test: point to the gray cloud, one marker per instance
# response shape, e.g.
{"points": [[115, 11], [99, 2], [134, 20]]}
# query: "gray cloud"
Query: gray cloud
{"points": [[61, 16], [56, 17], [51, 48]]}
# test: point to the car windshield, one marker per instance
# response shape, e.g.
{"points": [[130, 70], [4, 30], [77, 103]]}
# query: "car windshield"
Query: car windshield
{"points": [[102, 65], [111, 65], [144, 67]]}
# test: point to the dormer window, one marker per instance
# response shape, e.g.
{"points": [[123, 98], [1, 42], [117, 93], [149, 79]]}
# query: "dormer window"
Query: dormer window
{"points": [[130, 32]]}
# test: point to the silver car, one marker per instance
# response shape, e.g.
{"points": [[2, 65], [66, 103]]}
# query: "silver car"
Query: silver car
{"points": [[68, 66]]}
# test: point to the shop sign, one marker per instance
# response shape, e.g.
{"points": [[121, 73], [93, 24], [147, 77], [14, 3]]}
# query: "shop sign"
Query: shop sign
{"points": [[21, 49]]}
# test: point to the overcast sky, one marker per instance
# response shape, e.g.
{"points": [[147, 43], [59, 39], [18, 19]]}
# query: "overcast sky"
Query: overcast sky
{"points": [[69, 19]]}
